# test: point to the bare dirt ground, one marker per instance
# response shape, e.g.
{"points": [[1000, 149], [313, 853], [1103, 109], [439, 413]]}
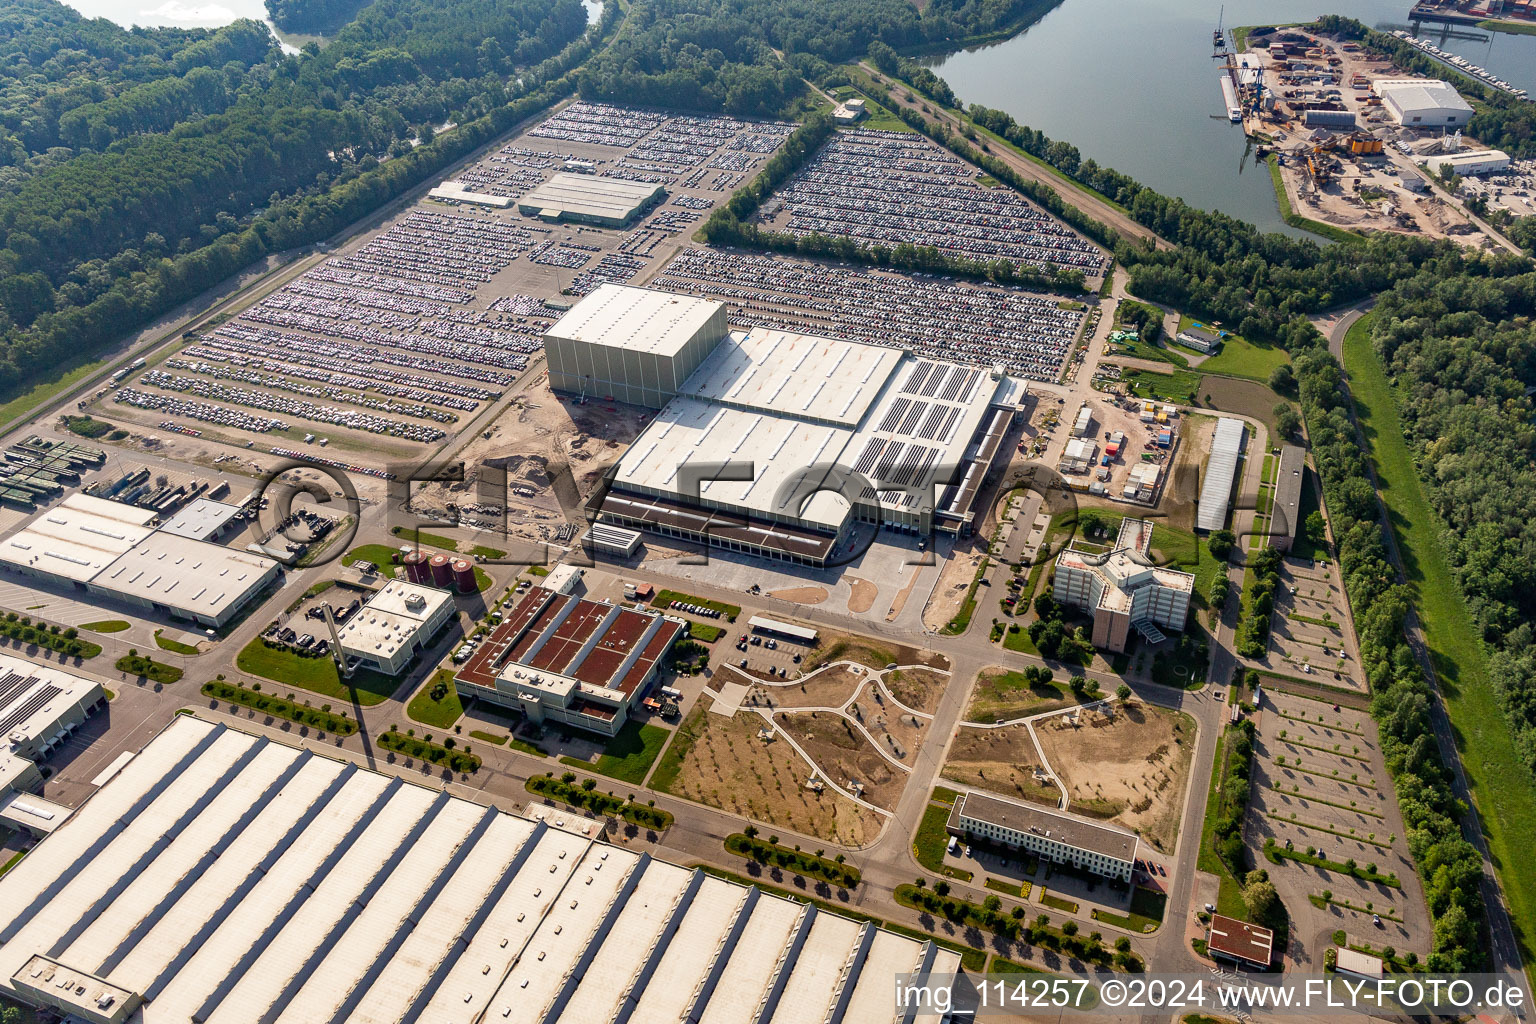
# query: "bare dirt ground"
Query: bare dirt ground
{"points": [[801, 595], [898, 733], [1001, 761], [863, 596], [1128, 763], [729, 767], [828, 688], [838, 646], [845, 755], [917, 688], [954, 579]]}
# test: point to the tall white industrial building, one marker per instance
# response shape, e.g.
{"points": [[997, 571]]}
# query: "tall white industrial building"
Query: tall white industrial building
{"points": [[775, 443], [631, 345], [1423, 102], [1123, 590]]}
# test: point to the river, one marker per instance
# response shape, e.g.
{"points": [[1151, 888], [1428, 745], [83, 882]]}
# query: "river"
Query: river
{"points": [[1132, 84]]}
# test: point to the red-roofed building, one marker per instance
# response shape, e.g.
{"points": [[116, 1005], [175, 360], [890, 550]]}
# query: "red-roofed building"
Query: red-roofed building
{"points": [[569, 660]]}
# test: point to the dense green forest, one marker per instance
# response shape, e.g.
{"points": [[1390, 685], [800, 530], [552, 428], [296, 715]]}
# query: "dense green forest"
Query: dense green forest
{"points": [[68, 81], [704, 55], [316, 17], [1461, 343], [99, 242]]}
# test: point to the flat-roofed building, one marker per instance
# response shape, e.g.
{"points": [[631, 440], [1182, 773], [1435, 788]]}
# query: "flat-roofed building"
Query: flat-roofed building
{"points": [[1200, 339], [777, 442], [109, 548], [40, 707], [1123, 589], [395, 622], [203, 519], [563, 659], [457, 192], [632, 345], [611, 540], [1285, 523], [221, 875], [591, 199], [1423, 103], [1057, 837], [1249, 944]]}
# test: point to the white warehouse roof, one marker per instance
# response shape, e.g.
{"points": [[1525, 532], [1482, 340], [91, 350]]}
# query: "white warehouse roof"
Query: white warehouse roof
{"points": [[226, 876], [1220, 471], [391, 618], [635, 319]]}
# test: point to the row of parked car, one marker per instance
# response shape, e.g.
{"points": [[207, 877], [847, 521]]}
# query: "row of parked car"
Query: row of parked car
{"points": [[695, 609]]}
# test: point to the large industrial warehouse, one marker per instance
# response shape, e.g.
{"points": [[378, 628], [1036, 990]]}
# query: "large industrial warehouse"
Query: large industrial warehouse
{"points": [[109, 548], [588, 199], [39, 708], [773, 443], [1423, 103], [221, 876]]}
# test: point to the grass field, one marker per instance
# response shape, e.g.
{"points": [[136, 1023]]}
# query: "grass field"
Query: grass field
{"points": [[441, 713], [1145, 914], [1242, 358], [24, 399], [381, 555], [109, 626], [435, 540], [1179, 387], [1229, 898], [174, 646], [1501, 787], [317, 675], [629, 755], [930, 840]]}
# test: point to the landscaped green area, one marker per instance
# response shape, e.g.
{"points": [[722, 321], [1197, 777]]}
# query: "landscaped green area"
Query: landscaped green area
{"points": [[317, 675], [586, 796], [811, 865], [107, 626], [1145, 914], [20, 402], [381, 555], [437, 702], [136, 664], [1239, 357], [420, 537], [174, 646], [1499, 781], [705, 633], [1229, 898], [278, 707], [1179, 386], [485, 552], [930, 840], [444, 754], [1055, 902], [1017, 891], [63, 639], [664, 599], [962, 620], [1005, 695], [629, 755]]}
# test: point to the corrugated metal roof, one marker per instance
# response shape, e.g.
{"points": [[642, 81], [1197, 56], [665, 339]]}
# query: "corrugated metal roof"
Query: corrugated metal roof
{"points": [[1220, 472]]}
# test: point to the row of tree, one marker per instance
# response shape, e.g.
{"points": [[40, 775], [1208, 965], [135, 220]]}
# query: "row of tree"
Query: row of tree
{"points": [[291, 163], [1458, 339]]}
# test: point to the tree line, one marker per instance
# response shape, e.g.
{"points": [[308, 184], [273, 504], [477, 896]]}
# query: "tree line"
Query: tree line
{"points": [[217, 194], [1458, 339]]}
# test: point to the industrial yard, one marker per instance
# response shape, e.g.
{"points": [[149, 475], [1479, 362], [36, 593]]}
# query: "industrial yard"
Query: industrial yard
{"points": [[1356, 143]]}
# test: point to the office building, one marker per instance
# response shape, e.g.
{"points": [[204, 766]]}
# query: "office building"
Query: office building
{"points": [[567, 661], [1123, 589], [394, 623], [1052, 835]]}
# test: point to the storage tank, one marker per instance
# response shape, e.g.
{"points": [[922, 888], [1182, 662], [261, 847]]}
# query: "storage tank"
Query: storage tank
{"points": [[442, 572], [415, 563], [464, 575]]}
